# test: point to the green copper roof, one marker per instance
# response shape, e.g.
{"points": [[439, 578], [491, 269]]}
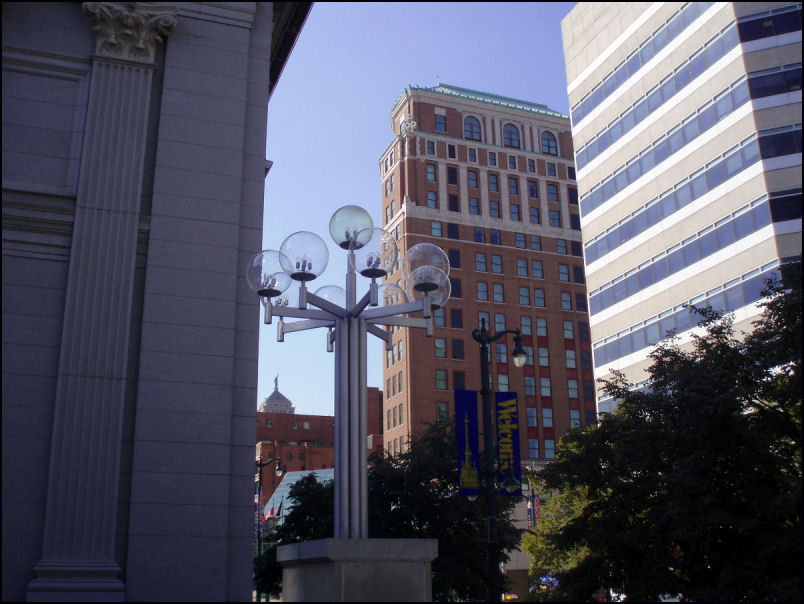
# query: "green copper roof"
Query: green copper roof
{"points": [[485, 97]]}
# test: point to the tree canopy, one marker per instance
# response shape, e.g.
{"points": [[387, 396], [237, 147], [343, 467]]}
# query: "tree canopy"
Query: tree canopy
{"points": [[412, 495], [693, 485]]}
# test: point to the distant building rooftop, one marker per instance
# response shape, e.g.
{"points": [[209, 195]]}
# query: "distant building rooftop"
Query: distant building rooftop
{"points": [[282, 493]]}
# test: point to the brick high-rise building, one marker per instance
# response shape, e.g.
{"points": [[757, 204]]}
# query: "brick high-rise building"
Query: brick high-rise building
{"points": [[491, 181], [686, 120]]}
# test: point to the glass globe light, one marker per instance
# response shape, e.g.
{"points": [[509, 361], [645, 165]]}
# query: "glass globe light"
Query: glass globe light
{"points": [[265, 274], [304, 256], [346, 225], [421, 255], [332, 293], [377, 256], [519, 355], [389, 294], [433, 280]]}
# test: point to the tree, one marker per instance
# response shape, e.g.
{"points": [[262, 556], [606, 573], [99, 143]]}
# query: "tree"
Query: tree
{"points": [[412, 495], [692, 486]]}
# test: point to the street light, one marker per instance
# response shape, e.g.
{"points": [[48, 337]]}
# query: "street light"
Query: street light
{"points": [[519, 356], [372, 253], [279, 470]]}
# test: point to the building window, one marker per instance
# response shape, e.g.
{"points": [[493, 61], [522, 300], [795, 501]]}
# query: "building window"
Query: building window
{"points": [[549, 144], [570, 355], [572, 386], [435, 228], [575, 222], [524, 296], [458, 380], [493, 183], [497, 288], [572, 195], [480, 235], [456, 318], [494, 209], [586, 359], [533, 448], [533, 417], [452, 175], [452, 230], [541, 326], [496, 264], [528, 356], [492, 158], [472, 155], [535, 242], [583, 331], [494, 237], [454, 258], [549, 448], [544, 357], [571, 176], [480, 262], [471, 177], [538, 297], [502, 383], [545, 390], [519, 240], [441, 379], [431, 172], [555, 218], [552, 192], [483, 320], [452, 203], [577, 274], [502, 353], [499, 322], [575, 418], [451, 151], [551, 169], [439, 317], [563, 272], [474, 206], [295, 425], [441, 412], [531, 165], [513, 185], [533, 189], [440, 348], [530, 388], [515, 212], [471, 128], [432, 200], [561, 246], [538, 271], [568, 331], [441, 123], [511, 136], [401, 417], [430, 147], [269, 423], [526, 326], [456, 288], [521, 267], [457, 349]]}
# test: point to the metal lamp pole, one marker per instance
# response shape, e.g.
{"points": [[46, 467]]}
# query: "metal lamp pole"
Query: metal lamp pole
{"points": [[490, 486], [260, 465]]}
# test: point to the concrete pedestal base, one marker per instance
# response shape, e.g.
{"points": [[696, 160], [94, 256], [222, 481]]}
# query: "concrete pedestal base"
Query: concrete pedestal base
{"points": [[358, 570]]}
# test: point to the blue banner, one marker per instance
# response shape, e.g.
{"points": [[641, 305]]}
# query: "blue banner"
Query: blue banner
{"points": [[466, 434], [509, 478]]}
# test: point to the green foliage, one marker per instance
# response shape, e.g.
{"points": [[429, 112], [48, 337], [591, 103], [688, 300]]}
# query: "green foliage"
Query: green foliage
{"points": [[694, 486], [413, 495]]}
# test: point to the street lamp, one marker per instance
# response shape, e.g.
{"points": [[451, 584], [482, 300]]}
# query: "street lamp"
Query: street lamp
{"points": [[519, 356], [279, 470], [372, 253]]}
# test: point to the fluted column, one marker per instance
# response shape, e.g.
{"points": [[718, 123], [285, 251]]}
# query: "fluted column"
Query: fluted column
{"points": [[78, 551]]}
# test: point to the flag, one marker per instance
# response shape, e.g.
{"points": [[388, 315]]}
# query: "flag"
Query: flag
{"points": [[270, 514], [509, 478], [279, 509], [536, 507], [466, 433]]}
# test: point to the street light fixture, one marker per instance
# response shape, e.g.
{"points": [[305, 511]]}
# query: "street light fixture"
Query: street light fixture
{"points": [[279, 470], [519, 356], [372, 252]]}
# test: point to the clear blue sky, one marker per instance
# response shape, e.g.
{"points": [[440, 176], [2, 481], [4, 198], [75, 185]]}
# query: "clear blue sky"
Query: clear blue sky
{"points": [[329, 123]]}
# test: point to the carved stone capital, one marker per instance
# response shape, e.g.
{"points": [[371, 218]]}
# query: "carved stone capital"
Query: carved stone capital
{"points": [[130, 30]]}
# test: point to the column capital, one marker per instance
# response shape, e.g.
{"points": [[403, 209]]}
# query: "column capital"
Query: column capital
{"points": [[130, 30]]}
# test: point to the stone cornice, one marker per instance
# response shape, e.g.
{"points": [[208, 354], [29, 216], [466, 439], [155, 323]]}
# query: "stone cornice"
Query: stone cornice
{"points": [[130, 30]]}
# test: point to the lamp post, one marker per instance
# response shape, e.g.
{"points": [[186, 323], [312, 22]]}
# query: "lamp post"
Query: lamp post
{"points": [[279, 471], [371, 252], [490, 473]]}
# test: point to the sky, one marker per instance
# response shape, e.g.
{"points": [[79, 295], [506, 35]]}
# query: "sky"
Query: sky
{"points": [[329, 123]]}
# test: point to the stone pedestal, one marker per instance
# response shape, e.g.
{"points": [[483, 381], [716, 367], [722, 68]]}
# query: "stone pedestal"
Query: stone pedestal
{"points": [[358, 570]]}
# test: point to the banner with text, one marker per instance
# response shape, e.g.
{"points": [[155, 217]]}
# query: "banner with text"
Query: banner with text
{"points": [[466, 435], [509, 478]]}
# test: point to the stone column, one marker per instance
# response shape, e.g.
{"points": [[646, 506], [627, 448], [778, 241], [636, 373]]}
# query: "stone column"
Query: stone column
{"points": [[78, 551]]}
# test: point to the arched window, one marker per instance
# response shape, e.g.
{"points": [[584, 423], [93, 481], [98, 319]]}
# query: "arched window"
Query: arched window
{"points": [[471, 128], [511, 136], [549, 144]]}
